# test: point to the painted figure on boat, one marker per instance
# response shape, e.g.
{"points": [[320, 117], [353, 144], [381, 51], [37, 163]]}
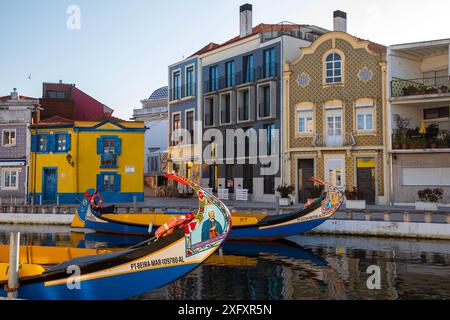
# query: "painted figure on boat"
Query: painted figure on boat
{"points": [[211, 228]]}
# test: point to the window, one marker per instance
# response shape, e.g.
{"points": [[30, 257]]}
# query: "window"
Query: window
{"points": [[176, 85], [305, 121], [109, 148], [56, 95], [61, 142], [333, 68], [230, 74], [264, 107], [213, 80], [190, 81], [225, 114], [43, 143], [244, 108], [269, 63], [209, 112], [270, 136], [364, 119], [9, 137], [10, 179], [248, 68], [176, 124], [190, 123], [108, 182], [436, 113]]}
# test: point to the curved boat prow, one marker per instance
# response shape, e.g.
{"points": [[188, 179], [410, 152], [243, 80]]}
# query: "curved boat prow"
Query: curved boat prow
{"points": [[141, 268]]}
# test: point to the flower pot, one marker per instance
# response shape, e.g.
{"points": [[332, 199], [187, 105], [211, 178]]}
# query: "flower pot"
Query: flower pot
{"points": [[426, 206], [355, 204], [284, 201], [396, 146], [433, 145], [405, 146]]}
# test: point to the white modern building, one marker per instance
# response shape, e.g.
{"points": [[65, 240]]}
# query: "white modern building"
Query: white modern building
{"points": [[154, 113], [418, 119]]}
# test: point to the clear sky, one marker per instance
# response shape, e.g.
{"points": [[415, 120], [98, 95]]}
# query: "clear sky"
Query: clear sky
{"points": [[121, 52]]}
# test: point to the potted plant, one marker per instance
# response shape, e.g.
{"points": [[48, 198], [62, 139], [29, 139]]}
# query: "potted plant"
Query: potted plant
{"points": [[396, 139], [434, 143], [354, 199], [428, 199], [414, 144], [285, 192], [402, 130], [443, 89], [314, 192], [405, 142]]}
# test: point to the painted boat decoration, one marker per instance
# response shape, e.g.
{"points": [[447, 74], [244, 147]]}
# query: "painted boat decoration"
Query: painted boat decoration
{"points": [[245, 226], [138, 269]]}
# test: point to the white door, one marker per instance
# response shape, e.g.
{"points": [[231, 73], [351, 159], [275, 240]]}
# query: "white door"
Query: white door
{"points": [[334, 128], [335, 172]]}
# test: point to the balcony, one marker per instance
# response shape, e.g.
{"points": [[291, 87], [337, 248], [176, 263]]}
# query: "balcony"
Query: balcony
{"points": [[183, 92], [108, 160], [266, 71], [426, 86], [326, 141]]}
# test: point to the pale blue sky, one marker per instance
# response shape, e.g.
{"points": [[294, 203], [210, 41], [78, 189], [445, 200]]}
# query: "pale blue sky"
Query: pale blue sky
{"points": [[121, 53]]}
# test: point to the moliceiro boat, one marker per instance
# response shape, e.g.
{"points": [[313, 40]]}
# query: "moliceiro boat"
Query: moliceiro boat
{"points": [[246, 226], [73, 273]]}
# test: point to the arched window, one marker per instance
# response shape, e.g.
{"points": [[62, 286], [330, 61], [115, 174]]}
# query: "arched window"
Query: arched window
{"points": [[333, 68]]}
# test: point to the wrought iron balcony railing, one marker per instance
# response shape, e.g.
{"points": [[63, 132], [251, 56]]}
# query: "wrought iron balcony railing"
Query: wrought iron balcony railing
{"points": [[184, 91], [324, 140], [265, 71]]}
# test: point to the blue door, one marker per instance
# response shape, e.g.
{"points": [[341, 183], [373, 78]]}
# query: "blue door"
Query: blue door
{"points": [[49, 186]]}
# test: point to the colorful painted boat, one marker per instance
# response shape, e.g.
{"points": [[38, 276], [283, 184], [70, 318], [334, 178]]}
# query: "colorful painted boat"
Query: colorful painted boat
{"points": [[138, 269], [245, 226]]}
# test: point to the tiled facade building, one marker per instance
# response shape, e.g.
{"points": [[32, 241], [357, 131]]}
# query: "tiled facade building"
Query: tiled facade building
{"points": [[335, 115], [16, 115]]}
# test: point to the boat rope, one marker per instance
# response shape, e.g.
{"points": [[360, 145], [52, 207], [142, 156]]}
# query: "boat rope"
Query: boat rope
{"points": [[8, 289]]}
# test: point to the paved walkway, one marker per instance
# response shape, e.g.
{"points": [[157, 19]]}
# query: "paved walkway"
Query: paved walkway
{"points": [[192, 203]]}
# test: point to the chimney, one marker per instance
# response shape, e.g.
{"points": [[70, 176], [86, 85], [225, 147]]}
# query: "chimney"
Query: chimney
{"points": [[246, 22], [14, 94], [340, 21]]}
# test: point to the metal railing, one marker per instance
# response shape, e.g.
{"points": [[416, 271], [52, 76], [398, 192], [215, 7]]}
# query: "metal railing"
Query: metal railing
{"points": [[323, 140], [265, 71], [410, 87], [184, 91]]}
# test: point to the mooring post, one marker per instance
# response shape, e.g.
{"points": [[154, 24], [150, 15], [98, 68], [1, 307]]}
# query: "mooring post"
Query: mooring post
{"points": [[13, 277]]}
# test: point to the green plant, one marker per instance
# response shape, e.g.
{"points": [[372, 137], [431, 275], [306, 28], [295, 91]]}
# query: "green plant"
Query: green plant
{"points": [[432, 131], [402, 128], [354, 194], [285, 190], [430, 195], [315, 192]]}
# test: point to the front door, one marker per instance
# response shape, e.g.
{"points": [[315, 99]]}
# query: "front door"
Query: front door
{"points": [[334, 128], [365, 173], [49, 186], [305, 172]]}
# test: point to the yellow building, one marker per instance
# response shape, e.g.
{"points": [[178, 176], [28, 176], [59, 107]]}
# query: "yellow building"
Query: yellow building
{"points": [[69, 157]]}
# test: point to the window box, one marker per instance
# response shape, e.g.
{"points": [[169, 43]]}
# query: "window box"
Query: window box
{"points": [[426, 206], [355, 204]]}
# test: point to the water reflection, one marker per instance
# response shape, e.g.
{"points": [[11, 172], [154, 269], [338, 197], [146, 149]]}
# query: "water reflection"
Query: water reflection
{"points": [[302, 267]]}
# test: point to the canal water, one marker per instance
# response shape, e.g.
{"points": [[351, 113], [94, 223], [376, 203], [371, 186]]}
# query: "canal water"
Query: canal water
{"points": [[300, 267]]}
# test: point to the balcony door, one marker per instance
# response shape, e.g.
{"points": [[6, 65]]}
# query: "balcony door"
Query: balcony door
{"points": [[334, 136]]}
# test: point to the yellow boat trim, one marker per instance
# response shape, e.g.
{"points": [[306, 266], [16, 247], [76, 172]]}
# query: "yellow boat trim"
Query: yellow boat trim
{"points": [[77, 222], [25, 270], [105, 275], [47, 255]]}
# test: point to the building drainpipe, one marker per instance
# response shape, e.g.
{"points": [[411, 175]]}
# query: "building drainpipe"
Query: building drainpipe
{"points": [[282, 114]]}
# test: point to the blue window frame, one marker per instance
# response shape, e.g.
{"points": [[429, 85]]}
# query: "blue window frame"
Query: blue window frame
{"points": [[190, 81], [109, 149], [62, 142], [333, 68], [230, 74], [269, 63], [248, 68], [213, 80], [108, 182], [43, 143], [176, 85]]}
